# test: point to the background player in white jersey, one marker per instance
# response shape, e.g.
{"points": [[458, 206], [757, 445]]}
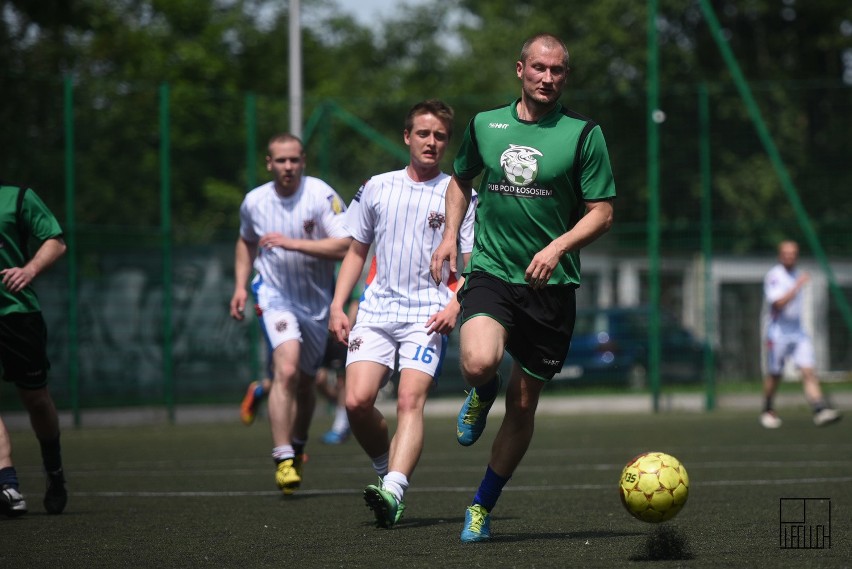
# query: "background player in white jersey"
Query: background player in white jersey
{"points": [[291, 230], [403, 312], [786, 338]]}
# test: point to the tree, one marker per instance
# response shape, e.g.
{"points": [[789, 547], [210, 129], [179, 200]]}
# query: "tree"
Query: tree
{"points": [[211, 54]]}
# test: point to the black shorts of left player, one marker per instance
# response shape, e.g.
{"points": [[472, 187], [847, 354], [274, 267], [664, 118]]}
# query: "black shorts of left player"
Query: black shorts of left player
{"points": [[23, 349], [335, 354], [539, 322]]}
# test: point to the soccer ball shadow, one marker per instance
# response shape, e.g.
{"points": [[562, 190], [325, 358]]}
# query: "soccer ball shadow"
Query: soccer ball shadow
{"points": [[665, 543]]}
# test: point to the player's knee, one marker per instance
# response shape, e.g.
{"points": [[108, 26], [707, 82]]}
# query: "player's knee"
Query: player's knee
{"points": [[358, 408], [521, 403], [809, 375], [408, 402], [287, 376], [522, 409], [37, 401], [477, 370]]}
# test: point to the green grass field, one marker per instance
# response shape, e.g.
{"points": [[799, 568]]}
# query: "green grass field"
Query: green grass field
{"points": [[204, 496]]}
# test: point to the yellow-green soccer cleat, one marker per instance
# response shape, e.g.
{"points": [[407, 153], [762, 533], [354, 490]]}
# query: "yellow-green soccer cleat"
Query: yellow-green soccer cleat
{"points": [[287, 476], [299, 463], [477, 524], [471, 420], [386, 508]]}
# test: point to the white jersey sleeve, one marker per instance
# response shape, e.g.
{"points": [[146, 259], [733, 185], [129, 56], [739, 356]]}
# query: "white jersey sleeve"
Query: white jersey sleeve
{"points": [[466, 229], [333, 218], [360, 218], [777, 283]]}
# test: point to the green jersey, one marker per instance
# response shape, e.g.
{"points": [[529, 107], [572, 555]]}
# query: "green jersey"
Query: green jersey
{"points": [[536, 178], [22, 215]]}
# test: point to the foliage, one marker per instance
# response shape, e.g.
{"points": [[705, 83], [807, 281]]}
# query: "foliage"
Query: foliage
{"points": [[213, 53]]}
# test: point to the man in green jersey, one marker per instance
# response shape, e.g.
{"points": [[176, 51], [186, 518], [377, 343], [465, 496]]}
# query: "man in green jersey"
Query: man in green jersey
{"points": [[546, 192], [23, 339]]}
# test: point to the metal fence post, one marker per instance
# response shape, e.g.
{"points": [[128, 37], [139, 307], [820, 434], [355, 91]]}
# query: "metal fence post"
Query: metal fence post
{"points": [[70, 234], [166, 240]]}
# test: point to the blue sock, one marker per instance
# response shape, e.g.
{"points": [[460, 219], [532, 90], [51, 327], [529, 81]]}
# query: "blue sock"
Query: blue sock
{"points": [[488, 391], [9, 477], [490, 489]]}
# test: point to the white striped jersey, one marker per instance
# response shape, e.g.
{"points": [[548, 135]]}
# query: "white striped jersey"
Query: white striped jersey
{"points": [[405, 219], [296, 281]]}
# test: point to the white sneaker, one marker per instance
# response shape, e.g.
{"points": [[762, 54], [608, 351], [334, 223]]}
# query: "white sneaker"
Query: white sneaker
{"points": [[826, 417], [770, 420], [12, 502]]}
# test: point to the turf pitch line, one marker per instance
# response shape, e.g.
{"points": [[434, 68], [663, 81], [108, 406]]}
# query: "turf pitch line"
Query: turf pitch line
{"points": [[444, 489]]}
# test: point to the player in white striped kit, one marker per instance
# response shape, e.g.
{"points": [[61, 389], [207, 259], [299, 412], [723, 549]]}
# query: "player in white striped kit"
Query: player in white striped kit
{"points": [[786, 338], [291, 231], [403, 312]]}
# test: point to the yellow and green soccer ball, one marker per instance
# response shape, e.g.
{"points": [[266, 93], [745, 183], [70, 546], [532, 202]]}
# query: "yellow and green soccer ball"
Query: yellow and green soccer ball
{"points": [[654, 487]]}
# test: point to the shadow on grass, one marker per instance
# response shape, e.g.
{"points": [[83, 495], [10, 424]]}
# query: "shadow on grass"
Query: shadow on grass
{"points": [[508, 537], [536, 536], [411, 523], [665, 543]]}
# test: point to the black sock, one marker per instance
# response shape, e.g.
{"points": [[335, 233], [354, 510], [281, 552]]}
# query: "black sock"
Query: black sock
{"points": [[488, 391], [51, 454]]}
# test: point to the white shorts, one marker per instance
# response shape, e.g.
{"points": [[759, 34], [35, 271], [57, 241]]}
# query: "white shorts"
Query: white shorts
{"points": [[280, 326], [799, 348], [381, 342]]}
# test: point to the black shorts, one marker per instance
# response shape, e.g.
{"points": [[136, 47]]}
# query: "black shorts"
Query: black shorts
{"points": [[335, 354], [23, 349], [539, 322]]}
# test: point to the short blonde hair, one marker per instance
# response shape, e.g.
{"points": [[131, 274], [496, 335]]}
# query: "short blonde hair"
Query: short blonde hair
{"points": [[283, 137], [549, 40]]}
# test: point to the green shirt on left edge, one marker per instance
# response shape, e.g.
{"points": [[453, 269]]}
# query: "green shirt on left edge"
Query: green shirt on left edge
{"points": [[36, 221]]}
